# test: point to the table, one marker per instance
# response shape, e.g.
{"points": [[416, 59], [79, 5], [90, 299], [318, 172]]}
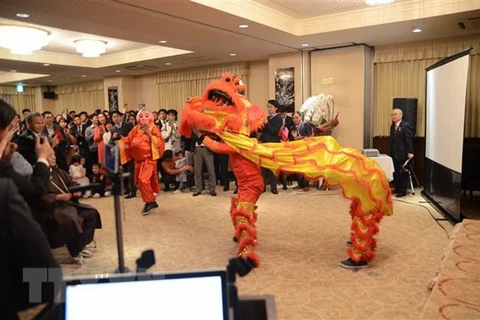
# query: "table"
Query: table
{"points": [[386, 163]]}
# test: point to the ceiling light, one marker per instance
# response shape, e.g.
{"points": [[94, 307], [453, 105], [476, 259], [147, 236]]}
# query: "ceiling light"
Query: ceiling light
{"points": [[22, 39], [378, 2], [23, 15], [46, 64], [305, 44], [91, 48], [233, 54], [118, 70], [162, 41], [168, 63], [417, 30], [84, 76], [243, 26]]}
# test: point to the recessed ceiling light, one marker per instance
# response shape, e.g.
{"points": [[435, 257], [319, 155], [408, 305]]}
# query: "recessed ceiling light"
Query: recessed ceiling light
{"points": [[162, 41], [46, 64], [13, 70], [118, 70], [168, 63], [233, 54], [23, 15], [243, 26], [84, 76], [305, 44], [417, 30]]}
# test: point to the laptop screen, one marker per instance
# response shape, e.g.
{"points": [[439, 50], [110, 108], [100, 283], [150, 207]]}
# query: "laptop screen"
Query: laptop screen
{"points": [[173, 296]]}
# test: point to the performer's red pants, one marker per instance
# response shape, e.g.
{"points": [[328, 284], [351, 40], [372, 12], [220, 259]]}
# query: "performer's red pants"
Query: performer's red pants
{"points": [[146, 179]]}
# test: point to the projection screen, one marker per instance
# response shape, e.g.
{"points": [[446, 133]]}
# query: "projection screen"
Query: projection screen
{"points": [[446, 95]]}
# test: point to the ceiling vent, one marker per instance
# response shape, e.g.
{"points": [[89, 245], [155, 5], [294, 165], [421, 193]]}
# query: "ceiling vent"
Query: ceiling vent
{"points": [[141, 68], [471, 24], [194, 60], [474, 23]]}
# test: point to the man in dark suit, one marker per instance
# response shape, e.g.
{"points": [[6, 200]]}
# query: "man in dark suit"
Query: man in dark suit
{"points": [[77, 130], [270, 134], [85, 121], [401, 149], [23, 123], [26, 141], [59, 139], [120, 130]]}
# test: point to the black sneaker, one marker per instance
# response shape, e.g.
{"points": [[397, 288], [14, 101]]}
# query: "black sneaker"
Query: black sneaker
{"points": [[350, 264], [149, 207], [349, 243]]}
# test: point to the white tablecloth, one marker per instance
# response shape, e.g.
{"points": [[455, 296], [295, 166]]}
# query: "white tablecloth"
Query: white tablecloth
{"points": [[386, 163]]}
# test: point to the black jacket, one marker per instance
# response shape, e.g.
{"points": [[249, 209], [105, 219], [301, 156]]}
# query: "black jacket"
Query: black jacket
{"points": [[26, 146], [270, 131], [124, 130], [31, 189], [23, 246], [401, 141]]}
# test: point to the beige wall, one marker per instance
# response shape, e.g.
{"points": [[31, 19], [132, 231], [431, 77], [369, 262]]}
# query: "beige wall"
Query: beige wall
{"points": [[306, 75], [147, 91], [129, 92], [42, 104], [257, 85], [286, 61], [346, 68]]}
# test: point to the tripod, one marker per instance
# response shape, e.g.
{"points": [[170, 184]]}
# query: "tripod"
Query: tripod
{"points": [[117, 192]]}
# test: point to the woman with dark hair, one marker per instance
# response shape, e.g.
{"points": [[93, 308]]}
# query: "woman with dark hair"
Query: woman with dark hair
{"points": [[270, 134]]}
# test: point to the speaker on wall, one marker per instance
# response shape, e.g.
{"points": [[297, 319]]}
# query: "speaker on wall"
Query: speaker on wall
{"points": [[409, 108], [49, 95]]}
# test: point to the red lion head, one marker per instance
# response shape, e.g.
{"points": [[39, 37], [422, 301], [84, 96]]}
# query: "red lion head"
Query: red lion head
{"points": [[222, 107]]}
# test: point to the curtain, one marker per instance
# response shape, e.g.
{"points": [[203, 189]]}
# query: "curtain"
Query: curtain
{"points": [[175, 86], [18, 101], [403, 79], [399, 72], [81, 97]]}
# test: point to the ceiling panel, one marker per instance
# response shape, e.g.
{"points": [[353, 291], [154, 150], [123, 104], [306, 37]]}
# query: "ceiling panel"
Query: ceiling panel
{"points": [[211, 33], [311, 8]]}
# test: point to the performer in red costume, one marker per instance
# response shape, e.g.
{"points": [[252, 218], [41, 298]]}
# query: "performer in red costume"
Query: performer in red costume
{"points": [[145, 145], [225, 118]]}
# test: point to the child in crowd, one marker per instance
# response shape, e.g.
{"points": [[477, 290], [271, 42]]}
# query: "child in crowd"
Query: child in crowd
{"points": [[101, 179], [78, 174], [180, 162]]}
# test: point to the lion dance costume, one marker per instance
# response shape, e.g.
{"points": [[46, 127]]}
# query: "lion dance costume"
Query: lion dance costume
{"points": [[145, 146], [227, 119]]}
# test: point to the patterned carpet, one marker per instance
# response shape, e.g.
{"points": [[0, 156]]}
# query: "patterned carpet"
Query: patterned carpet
{"points": [[302, 238]]}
